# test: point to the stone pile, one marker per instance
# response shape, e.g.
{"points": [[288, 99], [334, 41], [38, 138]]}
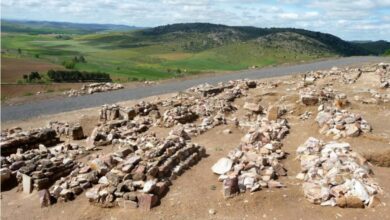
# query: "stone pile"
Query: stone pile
{"points": [[114, 112], [375, 97], [255, 163], [137, 175], [12, 139], [178, 115], [309, 96], [117, 131], [73, 131], [94, 88], [312, 96], [341, 123], [38, 168], [383, 70], [350, 76], [334, 175]]}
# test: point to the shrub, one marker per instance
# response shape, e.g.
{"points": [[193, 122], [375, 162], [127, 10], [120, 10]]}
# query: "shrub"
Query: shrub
{"points": [[69, 64], [77, 76]]}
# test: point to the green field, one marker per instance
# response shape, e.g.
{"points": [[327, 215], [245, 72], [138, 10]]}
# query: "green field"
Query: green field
{"points": [[140, 55]]}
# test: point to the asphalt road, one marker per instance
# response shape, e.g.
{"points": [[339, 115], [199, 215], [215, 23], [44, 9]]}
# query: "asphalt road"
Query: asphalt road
{"points": [[64, 104]]}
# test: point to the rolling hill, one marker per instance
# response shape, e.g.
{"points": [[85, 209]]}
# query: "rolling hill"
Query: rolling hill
{"points": [[50, 27], [172, 50], [373, 47]]}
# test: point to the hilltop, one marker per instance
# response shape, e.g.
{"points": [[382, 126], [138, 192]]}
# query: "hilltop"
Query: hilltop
{"points": [[50, 27]]}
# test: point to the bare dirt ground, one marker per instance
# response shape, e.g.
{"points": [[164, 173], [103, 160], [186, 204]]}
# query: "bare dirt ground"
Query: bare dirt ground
{"points": [[13, 69], [198, 190]]}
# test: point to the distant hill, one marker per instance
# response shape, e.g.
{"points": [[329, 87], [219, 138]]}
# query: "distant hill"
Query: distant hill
{"points": [[50, 27], [130, 53], [373, 47], [203, 36]]}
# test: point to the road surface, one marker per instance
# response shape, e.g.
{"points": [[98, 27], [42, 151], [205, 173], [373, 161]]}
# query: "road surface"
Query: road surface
{"points": [[64, 104]]}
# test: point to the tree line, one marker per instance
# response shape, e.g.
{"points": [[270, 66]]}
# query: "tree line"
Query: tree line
{"points": [[77, 76]]}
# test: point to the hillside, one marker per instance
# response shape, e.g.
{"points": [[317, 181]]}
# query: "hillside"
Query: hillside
{"points": [[374, 47], [167, 51], [49, 27], [202, 36]]}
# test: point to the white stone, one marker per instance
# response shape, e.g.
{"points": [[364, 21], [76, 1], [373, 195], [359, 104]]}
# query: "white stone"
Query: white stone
{"points": [[222, 166]]}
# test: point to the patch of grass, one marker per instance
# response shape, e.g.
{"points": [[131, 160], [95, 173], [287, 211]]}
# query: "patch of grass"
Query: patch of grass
{"points": [[135, 56], [28, 94]]}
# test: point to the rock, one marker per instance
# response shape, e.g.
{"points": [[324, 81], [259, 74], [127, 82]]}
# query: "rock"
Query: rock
{"points": [[227, 131], [312, 192], [274, 184], [77, 132], [147, 201], [126, 204], [374, 201], [349, 202], [99, 165], [255, 108], [212, 211], [309, 99], [149, 186], [42, 148], [352, 130], [44, 198], [5, 174], [103, 180], [27, 183], [93, 193], [323, 117], [273, 113], [230, 186], [17, 165], [223, 166]]}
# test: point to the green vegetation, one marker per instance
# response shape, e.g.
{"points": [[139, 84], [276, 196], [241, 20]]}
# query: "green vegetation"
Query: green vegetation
{"points": [[77, 76], [387, 53], [32, 77], [374, 47], [167, 51]]}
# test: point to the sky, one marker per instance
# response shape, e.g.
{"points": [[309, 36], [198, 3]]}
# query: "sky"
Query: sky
{"points": [[348, 19]]}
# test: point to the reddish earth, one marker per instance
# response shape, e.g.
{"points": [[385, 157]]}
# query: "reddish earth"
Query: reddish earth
{"points": [[13, 69]]}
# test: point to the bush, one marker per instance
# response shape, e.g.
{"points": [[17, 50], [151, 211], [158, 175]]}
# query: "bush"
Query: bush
{"points": [[32, 77], [77, 76], [69, 64]]}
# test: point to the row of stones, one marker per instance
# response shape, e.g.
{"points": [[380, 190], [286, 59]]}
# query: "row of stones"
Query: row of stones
{"points": [[132, 176]]}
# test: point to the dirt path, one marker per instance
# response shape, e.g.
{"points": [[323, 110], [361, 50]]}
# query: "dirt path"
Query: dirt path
{"points": [[62, 104]]}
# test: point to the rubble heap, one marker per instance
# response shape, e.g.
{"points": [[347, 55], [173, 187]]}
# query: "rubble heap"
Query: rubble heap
{"points": [[254, 164], [114, 112], [94, 88], [38, 168], [383, 71], [135, 176], [335, 175], [312, 96], [179, 114], [350, 76], [341, 123], [12, 139], [74, 131]]}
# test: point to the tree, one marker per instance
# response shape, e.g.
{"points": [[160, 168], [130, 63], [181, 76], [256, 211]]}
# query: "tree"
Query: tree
{"points": [[19, 51], [82, 59]]}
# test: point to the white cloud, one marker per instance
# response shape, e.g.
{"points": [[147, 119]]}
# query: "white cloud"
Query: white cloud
{"points": [[357, 19]]}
